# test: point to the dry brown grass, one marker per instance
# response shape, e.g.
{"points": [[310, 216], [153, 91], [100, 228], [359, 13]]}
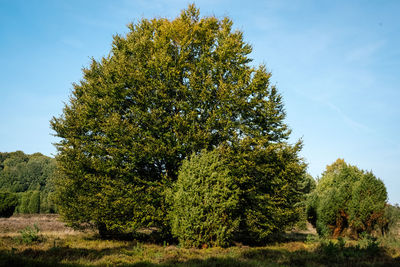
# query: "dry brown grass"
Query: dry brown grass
{"points": [[49, 224], [61, 245]]}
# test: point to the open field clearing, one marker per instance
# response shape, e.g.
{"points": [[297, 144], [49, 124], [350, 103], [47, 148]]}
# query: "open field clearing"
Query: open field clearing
{"points": [[58, 245], [47, 223]]}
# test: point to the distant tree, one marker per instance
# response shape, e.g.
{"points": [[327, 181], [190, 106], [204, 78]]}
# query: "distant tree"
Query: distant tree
{"points": [[47, 195], [13, 158], [347, 201], [3, 156], [25, 198], [21, 173], [8, 203], [12, 175], [168, 89], [34, 202]]}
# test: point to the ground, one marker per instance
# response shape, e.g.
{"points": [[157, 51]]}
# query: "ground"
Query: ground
{"points": [[58, 245]]}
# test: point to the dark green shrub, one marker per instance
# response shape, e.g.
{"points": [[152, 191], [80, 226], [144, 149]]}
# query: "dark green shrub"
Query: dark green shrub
{"points": [[392, 220], [368, 243], [8, 203], [347, 201], [331, 249], [270, 178], [368, 203], [306, 186], [204, 202]]}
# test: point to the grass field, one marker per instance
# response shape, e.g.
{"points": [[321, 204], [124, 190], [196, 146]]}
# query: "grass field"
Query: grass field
{"points": [[58, 245]]}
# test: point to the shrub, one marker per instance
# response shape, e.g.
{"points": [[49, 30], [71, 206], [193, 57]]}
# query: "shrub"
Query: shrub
{"points": [[204, 202], [347, 201], [307, 185], [392, 217], [30, 234], [8, 203], [270, 179]]}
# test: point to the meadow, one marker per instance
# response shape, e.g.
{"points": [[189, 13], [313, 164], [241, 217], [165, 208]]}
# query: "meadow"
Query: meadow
{"points": [[43, 240]]}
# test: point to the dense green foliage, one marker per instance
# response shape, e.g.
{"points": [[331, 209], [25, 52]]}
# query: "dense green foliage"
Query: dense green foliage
{"points": [[30, 177], [34, 202], [307, 186], [168, 89], [392, 215], [204, 202], [347, 201], [8, 203], [217, 200], [270, 177]]}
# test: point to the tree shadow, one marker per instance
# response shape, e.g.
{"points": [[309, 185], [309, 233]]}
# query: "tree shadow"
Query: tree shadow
{"points": [[54, 256], [285, 237], [327, 254], [293, 237], [147, 235]]}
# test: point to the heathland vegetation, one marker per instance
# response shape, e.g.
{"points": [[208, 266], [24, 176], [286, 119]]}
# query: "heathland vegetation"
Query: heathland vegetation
{"points": [[174, 148]]}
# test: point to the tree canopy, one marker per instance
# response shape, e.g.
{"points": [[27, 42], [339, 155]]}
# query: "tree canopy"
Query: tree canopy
{"points": [[167, 89]]}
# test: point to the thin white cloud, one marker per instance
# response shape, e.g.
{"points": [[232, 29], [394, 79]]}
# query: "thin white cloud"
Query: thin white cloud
{"points": [[347, 119], [72, 42], [364, 52]]}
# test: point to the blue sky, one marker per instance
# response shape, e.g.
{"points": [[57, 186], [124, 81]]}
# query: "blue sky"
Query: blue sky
{"points": [[336, 63]]}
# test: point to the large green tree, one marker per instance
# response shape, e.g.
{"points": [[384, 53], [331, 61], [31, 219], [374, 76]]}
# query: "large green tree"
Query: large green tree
{"points": [[167, 89]]}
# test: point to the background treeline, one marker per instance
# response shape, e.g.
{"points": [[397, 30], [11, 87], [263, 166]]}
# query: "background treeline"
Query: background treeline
{"points": [[29, 178]]}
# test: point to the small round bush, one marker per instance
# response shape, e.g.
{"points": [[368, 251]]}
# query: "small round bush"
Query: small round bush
{"points": [[203, 202], [8, 203], [347, 201]]}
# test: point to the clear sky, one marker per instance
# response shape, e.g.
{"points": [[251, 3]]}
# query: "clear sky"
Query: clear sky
{"points": [[336, 63]]}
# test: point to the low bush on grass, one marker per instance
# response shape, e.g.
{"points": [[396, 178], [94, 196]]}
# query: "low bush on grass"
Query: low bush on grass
{"points": [[30, 234]]}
